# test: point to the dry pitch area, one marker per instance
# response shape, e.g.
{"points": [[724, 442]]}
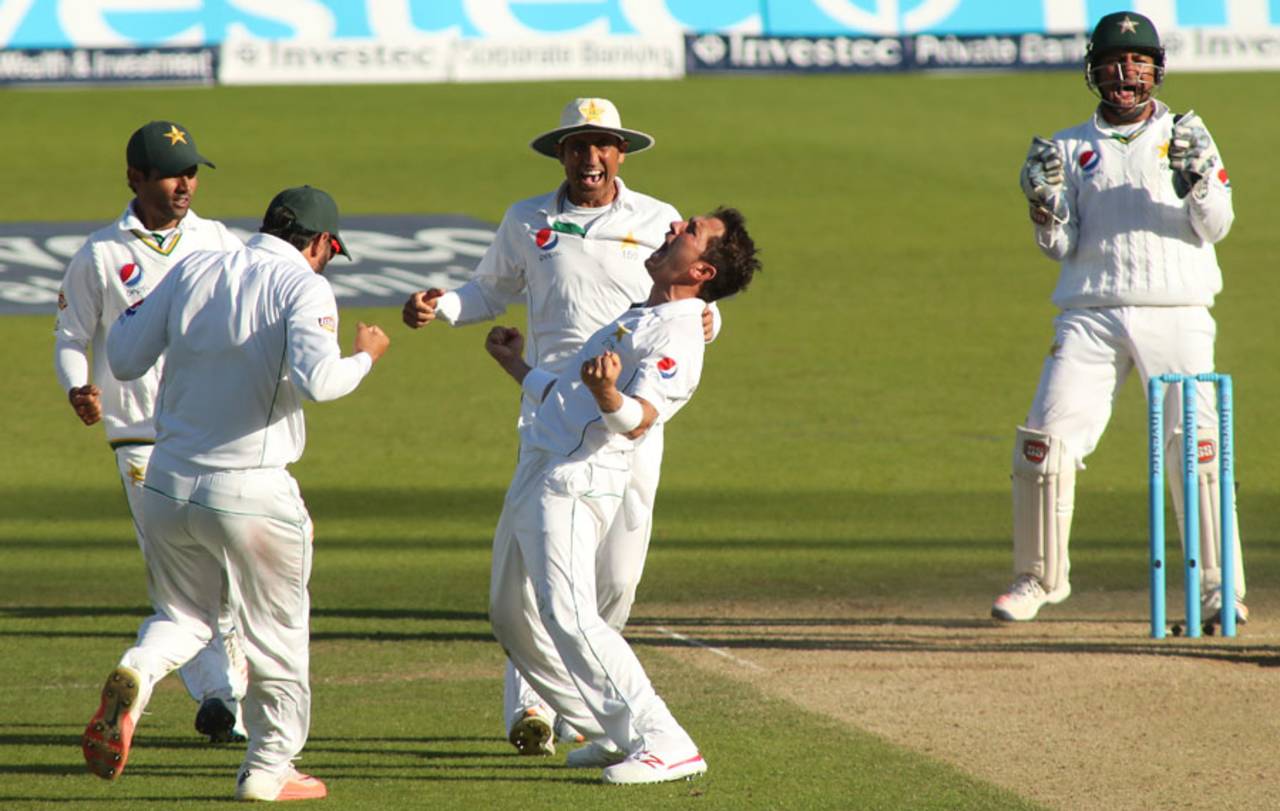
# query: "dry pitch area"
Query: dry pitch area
{"points": [[1079, 710]]}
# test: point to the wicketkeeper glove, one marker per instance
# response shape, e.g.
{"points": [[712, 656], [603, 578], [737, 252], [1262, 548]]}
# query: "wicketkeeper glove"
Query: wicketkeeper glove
{"points": [[1190, 152], [1041, 179]]}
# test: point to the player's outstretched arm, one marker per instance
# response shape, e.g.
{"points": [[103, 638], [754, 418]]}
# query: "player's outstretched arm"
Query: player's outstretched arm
{"points": [[629, 416]]}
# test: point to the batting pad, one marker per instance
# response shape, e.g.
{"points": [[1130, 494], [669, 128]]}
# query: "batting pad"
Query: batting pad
{"points": [[1210, 507], [1044, 485]]}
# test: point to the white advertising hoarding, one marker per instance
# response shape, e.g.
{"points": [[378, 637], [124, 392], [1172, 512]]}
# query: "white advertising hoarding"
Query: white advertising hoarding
{"points": [[550, 58], [260, 61], [445, 59]]}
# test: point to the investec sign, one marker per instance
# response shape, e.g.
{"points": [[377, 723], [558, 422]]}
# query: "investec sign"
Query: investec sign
{"points": [[748, 53], [394, 256], [738, 52]]}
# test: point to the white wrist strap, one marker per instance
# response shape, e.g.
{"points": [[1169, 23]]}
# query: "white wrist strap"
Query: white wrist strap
{"points": [[625, 419]]}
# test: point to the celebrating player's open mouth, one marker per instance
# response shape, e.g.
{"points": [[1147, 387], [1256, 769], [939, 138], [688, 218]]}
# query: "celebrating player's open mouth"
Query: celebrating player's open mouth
{"points": [[1124, 95], [591, 159], [658, 255]]}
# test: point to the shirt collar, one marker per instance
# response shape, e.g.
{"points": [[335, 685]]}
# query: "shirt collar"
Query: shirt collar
{"points": [[266, 243], [684, 306], [1102, 125], [129, 220], [625, 199]]}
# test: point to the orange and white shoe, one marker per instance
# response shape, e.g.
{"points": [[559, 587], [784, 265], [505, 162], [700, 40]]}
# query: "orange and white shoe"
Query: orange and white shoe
{"points": [[279, 788], [651, 767], [109, 734], [532, 733]]}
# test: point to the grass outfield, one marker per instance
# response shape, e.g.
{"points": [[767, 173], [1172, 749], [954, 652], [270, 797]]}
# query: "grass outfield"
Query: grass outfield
{"points": [[850, 438]]}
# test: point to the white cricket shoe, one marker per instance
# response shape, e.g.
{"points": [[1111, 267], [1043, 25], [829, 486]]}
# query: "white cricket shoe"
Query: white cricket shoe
{"points": [[650, 767], [532, 733], [1211, 609], [278, 788], [1025, 597], [595, 755]]}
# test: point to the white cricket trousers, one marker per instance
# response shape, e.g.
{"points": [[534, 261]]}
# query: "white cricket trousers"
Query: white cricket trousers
{"points": [[1093, 352], [212, 673], [544, 608], [251, 527], [619, 562]]}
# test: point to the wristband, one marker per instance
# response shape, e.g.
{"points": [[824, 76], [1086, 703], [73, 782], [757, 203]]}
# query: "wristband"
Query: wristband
{"points": [[625, 419]]}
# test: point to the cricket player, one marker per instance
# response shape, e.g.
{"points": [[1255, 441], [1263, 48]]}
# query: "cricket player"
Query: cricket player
{"points": [[578, 449], [118, 266], [1130, 203], [575, 256], [248, 336]]}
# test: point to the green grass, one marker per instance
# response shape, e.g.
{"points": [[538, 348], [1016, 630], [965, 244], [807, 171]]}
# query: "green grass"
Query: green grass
{"points": [[850, 438]]}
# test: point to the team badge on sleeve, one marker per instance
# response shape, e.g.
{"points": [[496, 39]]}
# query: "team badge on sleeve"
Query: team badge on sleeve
{"points": [[667, 367], [130, 274], [329, 323], [1222, 177]]}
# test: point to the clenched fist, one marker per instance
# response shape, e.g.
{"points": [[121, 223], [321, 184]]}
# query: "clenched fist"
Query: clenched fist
{"points": [[600, 374], [504, 344], [87, 402], [371, 339]]}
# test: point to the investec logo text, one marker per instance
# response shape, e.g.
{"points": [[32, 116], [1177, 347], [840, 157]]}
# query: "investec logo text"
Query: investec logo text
{"points": [[738, 51]]}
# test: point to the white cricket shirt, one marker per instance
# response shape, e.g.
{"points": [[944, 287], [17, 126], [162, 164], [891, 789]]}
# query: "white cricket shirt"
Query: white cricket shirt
{"points": [[246, 336], [1129, 239], [661, 350], [118, 266], [573, 282]]}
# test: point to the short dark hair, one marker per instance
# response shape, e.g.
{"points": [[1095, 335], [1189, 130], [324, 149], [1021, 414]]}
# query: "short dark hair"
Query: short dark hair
{"points": [[282, 222], [733, 254]]}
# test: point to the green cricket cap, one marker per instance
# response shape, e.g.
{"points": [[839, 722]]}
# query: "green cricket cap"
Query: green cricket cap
{"points": [[165, 146], [1125, 31], [313, 210]]}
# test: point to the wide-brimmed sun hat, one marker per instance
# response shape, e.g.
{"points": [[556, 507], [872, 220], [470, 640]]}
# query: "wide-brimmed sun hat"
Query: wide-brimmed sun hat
{"points": [[590, 115]]}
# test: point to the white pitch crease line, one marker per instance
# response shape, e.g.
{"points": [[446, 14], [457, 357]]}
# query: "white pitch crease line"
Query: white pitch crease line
{"points": [[688, 640]]}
